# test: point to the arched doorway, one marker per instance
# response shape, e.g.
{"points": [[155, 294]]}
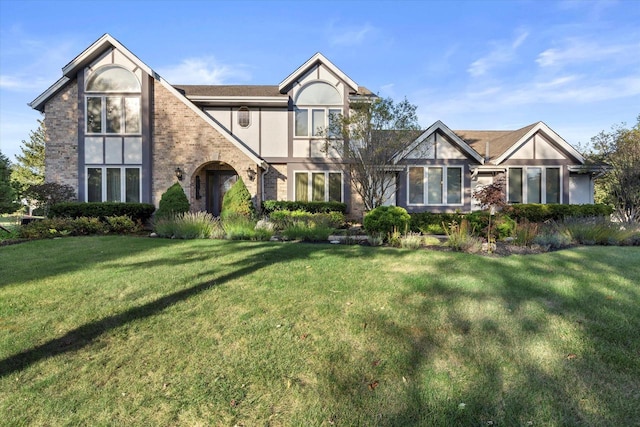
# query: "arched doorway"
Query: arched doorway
{"points": [[213, 180]]}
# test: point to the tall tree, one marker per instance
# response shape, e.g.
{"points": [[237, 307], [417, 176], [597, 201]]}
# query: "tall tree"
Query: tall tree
{"points": [[620, 150], [367, 138], [7, 194], [29, 170]]}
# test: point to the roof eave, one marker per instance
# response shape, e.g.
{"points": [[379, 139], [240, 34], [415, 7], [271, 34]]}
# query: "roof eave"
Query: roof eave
{"points": [[240, 100], [40, 101]]}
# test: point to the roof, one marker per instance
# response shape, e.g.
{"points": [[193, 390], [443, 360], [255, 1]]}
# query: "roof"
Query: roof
{"points": [[499, 140], [309, 64], [229, 90]]}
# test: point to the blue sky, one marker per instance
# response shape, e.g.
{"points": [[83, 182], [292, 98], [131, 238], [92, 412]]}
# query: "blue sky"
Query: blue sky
{"points": [[472, 64]]}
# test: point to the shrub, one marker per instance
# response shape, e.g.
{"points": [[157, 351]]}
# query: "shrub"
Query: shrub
{"points": [[307, 231], [243, 228], [431, 223], [540, 213], [138, 212], [269, 206], [172, 202], [503, 225], [122, 224], [386, 219], [595, 231], [59, 227], [411, 240], [460, 237], [525, 233], [283, 219], [189, 225], [237, 202], [49, 193], [552, 240]]}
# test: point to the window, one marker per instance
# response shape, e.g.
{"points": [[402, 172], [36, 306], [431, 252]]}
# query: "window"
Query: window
{"points": [[318, 186], [542, 185], [437, 185], [113, 144], [313, 121], [113, 184], [244, 117]]}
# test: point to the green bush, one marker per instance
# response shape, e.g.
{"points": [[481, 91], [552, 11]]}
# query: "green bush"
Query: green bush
{"points": [[501, 225], [386, 219], [138, 212], [269, 206], [307, 231], [283, 219], [243, 228], [60, 227], [540, 213], [431, 223], [237, 202], [122, 224], [172, 202]]}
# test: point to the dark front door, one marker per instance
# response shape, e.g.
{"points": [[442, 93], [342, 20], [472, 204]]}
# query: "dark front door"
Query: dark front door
{"points": [[218, 183]]}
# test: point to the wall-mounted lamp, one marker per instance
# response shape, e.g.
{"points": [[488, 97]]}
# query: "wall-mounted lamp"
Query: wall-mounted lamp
{"points": [[179, 174], [251, 174]]}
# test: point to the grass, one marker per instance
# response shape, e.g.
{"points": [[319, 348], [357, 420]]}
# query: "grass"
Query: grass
{"points": [[118, 330]]}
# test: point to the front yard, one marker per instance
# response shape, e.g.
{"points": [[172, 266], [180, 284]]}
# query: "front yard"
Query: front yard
{"points": [[121, 330]]}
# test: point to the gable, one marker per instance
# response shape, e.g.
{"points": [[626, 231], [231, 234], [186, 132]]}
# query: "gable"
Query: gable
{"points": [[317, 68]]}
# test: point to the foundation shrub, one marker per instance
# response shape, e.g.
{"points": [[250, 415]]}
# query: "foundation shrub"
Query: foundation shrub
{"points": [[172, 202], [138, 212], [431, 223], [122, 224], [269, 206], [386, 219], [237, 202], [534, 212], [284, 219]]}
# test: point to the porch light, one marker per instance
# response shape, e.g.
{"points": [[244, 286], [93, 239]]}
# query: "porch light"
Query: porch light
{"points": [[179, 173], [251, 174]]}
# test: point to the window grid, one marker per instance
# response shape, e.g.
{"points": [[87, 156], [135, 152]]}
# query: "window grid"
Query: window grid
{"points": [[322, 186], [534, 184], [437, 185]]}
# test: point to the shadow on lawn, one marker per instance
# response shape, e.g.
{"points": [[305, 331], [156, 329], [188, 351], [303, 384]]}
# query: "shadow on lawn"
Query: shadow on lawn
{"points": [[259, 255], [516, 379]]}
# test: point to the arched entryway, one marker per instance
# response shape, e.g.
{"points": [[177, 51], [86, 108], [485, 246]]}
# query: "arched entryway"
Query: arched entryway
{"points": [[212, 181]]}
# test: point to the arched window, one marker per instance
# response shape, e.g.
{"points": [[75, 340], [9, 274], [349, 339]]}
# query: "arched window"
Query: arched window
{"points": [[112, 78], [113, 136], [317, 104]]}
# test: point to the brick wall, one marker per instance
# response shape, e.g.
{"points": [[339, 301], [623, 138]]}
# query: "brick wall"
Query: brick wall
{"points": [[275, 182], [181, 138], [61, 148]]}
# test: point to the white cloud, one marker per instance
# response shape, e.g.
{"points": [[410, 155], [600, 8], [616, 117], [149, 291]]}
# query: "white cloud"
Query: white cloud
{"points": [[24, 83], [350, 36], [576, 51], [205, 71], [503, 52]]}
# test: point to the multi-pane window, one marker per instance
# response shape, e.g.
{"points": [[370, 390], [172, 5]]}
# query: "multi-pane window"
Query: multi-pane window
{"points": [[438, 185], [313, 121], [534, 185], [318, 186], [113, 184], [113, 141]]}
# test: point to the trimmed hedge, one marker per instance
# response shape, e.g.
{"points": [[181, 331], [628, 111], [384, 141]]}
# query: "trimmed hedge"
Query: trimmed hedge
{"points": [[172, 202], [136, 211], [269, 206], [386, 219], [539, 213]]}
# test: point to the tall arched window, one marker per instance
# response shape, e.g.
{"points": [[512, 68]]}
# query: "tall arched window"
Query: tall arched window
{"points": [[316, 104], [113, 135]]}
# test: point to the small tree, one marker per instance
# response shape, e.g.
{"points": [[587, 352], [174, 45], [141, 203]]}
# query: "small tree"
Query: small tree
{"points": [[48, 194], [620, 150], [237, 201], [172, 202], [7, 194], [368, 138], [492, 197]]}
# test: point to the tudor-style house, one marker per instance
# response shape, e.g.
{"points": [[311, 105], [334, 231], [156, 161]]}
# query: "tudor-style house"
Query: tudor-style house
{"points": [[117, 131]]}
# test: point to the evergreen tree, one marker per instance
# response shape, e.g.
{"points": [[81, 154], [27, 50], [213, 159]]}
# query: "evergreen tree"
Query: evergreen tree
{"points": [[29, 170], [7, 195]]}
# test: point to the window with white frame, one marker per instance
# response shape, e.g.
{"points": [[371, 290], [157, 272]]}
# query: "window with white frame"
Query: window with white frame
{"points": [[113, 141], [318, 186], [534, 184], [435, 185], [113, 184], [317, 105]]}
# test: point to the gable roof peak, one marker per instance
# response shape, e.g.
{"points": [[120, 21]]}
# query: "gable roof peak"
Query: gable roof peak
{"points": [[310, 63]]}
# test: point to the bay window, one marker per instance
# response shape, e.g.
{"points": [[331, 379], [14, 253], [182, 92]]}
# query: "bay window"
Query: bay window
{"points": [[534, 185], [438, 185]]}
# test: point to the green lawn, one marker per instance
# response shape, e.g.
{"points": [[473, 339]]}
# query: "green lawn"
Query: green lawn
{"points": [[137, 331]]}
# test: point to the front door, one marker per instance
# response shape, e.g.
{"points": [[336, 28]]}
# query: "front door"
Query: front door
{"points": [[218, 183]]}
